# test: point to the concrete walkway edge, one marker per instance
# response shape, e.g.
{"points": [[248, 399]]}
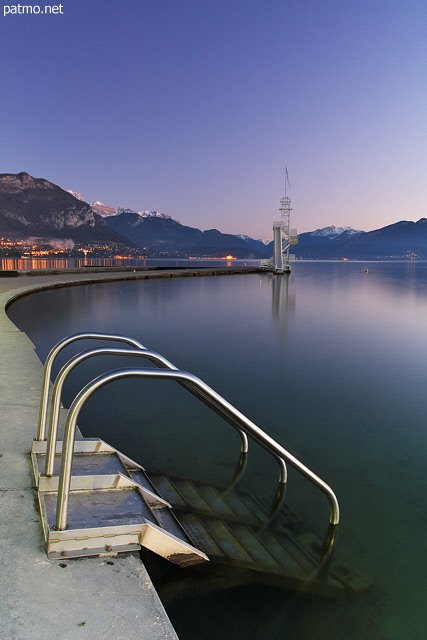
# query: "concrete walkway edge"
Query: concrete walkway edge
{"points": [[90, 598]]}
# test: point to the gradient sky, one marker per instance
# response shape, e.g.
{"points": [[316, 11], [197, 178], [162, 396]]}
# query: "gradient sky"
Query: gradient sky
{"points": [[194, 107]]}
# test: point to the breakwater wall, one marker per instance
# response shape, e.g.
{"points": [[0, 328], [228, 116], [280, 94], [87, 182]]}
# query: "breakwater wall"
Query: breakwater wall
{"points": [[42, 599]]}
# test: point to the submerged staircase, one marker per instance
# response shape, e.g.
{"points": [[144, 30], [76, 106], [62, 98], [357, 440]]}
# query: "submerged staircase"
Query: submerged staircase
{"points": [[234, 529], [96, 501]]}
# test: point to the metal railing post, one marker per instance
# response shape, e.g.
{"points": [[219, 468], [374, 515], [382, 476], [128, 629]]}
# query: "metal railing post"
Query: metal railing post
{"points": [[49, 363], [154, 357], [204, 393]]}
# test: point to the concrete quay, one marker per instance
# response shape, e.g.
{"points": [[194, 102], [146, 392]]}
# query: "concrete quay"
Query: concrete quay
{"points": [[90, 598]]}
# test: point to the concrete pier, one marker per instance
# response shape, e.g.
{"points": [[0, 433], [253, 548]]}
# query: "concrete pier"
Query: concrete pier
{"points": [[90, 598]]}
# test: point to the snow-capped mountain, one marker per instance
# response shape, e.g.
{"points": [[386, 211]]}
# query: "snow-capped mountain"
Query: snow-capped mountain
{"points": [[146, 214], [37, 207], [246, 238], [103, 210], [156, 214], [334, 232], [76, 195], [256, 245], [324, 242], [34, 207]]}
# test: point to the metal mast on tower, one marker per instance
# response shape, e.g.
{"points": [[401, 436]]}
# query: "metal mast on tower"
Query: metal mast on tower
{"points": [[284, 236]]}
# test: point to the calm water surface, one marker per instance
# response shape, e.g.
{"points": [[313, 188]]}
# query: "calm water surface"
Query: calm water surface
{"points": [[332, 363]]}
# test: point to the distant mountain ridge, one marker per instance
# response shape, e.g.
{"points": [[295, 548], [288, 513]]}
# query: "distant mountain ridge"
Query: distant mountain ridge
{"points": [[323, 242], [36, 207], [399, 240], [158, 232], [396, 241], [102, 209], [163, 234], [333, 232]]}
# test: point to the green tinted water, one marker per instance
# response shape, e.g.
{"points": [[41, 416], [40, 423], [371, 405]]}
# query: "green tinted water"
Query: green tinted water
{"points": [[332, 363]]}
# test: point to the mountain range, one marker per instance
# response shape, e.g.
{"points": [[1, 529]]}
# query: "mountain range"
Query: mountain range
{"points": [[34, 207], [395, 241]]}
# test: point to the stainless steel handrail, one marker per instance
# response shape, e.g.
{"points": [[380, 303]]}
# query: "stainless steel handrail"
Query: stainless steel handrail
{"points": [[204, 392], [50, 360], [154, 357]]}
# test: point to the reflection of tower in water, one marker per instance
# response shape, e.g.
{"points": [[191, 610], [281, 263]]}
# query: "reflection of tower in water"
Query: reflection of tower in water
{"points": [[282, 305]]}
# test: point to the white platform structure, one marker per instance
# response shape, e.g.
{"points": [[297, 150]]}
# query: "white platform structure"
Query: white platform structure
{"points": [[283, 236]]}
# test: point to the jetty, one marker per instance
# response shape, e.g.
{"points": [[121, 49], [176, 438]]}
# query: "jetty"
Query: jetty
{"points": [[42, 599], [78, 565]]}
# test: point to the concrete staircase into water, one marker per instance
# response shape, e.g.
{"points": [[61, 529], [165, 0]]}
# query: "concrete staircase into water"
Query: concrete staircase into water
{"points": [[107, 511], [232, 528], [115, 505], [109, 504]]}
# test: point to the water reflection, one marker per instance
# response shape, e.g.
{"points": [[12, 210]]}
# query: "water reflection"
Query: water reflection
{"points": [[13, 264], [283, 304], [348, 400], [30, 263]]}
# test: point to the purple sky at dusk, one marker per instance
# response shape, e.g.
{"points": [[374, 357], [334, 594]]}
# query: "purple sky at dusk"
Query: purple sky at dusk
{"points": [[193, 108]]}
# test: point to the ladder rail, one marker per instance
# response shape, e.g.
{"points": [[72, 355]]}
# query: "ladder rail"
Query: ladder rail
{"points": [[153, 356], [47, 370], [209, 397]]}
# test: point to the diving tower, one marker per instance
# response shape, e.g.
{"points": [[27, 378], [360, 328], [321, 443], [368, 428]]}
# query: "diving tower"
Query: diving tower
{"points": [[283, 236]]}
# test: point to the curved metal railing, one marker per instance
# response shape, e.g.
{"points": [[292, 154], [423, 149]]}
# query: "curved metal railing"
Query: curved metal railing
{"points": [[47, 371], [196, 386], [154, 357], [209, 397]]}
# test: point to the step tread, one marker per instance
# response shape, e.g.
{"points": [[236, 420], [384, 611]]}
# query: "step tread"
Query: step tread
{"points": [[162, 513], [202, 496], [253, 505], [215, 500], [169, 523], [86, 464], [167, 489], [202, 538], [101, 508], [227, 541], [255, 547], [283, 556], [239, 507], [140, 477], [226, 527], [192, 495]]}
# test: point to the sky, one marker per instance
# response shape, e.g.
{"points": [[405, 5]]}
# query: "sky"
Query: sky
{"points": [[195, 107]]}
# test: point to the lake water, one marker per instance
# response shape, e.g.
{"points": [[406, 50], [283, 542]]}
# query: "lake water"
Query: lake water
{"points": [[332, 363]]}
